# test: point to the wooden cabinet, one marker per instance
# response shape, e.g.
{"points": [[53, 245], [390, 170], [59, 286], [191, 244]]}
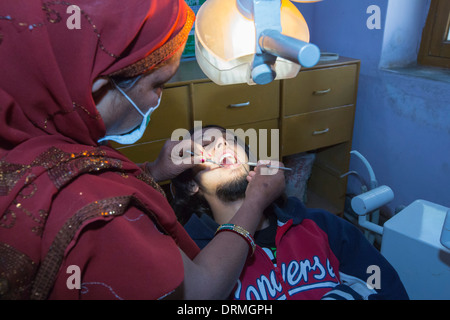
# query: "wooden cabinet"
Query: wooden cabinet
{"points": [[317, 114], [313, 112]]}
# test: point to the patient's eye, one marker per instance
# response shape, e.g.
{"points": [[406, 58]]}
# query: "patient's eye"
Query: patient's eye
{"points": [[206, 143]]}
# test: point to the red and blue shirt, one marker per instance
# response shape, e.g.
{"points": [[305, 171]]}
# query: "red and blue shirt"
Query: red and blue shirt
{"points": [[315, 255]]}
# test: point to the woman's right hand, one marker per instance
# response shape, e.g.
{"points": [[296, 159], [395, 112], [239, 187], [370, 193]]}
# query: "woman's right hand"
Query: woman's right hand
{"points": [[265, 184]]}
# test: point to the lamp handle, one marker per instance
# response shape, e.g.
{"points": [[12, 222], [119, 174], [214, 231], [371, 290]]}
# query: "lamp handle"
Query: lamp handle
{"points": [[295, 50]]}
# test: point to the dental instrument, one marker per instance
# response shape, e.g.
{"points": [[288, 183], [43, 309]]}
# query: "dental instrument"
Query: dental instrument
{"points": [[207, 160], [254, 164]]}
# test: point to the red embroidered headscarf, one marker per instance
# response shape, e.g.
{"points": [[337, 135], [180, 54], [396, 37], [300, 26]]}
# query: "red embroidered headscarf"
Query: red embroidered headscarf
{"points": [[47, 69], [49, 126]]}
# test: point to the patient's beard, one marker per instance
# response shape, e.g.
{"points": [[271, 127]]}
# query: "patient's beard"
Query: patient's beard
{"points": [[233, 190]]}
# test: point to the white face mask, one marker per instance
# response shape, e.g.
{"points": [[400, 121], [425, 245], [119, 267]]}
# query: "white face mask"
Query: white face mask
{"points": [[138, 132]]}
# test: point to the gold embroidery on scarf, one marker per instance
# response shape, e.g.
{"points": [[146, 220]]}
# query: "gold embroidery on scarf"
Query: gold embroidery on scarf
{"points": [[106, 208], [62, 167], [159, 55], [54, 17], [10, 174], [40, 219], [8, 219], [50, 265], [145, 177], [17, 271], [75, 105], [29, 26], [29, 188], [94, 116]]}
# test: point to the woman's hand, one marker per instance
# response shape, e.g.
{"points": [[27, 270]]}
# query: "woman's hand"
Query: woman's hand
{"points": [[265, 184], [174, 159]]}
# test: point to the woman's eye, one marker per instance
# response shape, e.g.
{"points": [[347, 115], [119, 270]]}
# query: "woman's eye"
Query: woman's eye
{"points": [[158, 86]]}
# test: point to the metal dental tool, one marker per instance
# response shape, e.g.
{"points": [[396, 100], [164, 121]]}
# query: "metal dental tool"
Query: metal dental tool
{"points": [[254, 164], [207, 160]]}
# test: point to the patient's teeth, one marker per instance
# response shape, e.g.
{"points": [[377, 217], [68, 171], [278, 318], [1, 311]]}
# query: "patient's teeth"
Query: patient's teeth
{"points": [[227, 158]]}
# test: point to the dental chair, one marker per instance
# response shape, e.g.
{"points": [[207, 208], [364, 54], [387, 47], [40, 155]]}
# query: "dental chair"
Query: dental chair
{"points": [[416, 241]]}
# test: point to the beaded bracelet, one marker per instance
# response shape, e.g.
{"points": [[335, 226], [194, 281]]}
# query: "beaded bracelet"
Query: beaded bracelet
{"points": [[240, 231]]}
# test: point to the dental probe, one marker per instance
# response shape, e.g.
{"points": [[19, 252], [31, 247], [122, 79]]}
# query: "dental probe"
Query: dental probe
{"points": [[207, 160], [254, 164]]}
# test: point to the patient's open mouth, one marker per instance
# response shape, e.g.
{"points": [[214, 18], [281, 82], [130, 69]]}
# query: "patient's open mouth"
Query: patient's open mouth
{"points": [[228, 160]]}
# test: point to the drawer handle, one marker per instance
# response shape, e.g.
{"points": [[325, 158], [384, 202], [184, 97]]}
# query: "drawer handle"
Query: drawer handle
{"points": [[316, 133], [321, 92], [239, 105]]}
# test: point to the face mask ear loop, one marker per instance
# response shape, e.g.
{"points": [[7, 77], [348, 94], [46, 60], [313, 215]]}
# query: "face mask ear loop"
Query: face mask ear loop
{"points": [[127, 97]]}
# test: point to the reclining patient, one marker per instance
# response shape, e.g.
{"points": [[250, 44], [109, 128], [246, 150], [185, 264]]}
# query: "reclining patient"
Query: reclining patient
{"points": [[300, 253]]}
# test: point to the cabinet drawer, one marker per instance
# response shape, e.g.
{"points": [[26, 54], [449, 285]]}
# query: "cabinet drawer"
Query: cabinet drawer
{"points": [[320, 89], [235, 104], [141, 152], [317, 129]]}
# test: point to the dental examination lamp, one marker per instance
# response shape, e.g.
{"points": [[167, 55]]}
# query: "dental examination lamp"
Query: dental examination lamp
{"points": [[252, 41]]}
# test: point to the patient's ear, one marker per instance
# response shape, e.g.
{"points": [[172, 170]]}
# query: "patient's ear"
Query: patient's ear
{"points": [[193, 187]]}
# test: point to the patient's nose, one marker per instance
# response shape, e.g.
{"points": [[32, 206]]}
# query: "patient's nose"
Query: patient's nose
{"points": [[221, 144]]}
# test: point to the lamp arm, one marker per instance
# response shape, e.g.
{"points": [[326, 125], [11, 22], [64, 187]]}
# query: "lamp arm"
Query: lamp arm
{"points": [[292, 49]]}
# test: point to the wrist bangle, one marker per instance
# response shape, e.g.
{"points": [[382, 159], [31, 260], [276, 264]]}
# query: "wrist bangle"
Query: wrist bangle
{"points": [[240, 231]]}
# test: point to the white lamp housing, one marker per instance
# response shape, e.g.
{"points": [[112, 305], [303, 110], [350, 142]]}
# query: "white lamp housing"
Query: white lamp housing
{"points": [[252, 41]]}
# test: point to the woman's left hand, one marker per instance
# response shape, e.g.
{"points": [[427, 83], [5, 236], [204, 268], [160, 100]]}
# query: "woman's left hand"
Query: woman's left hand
{"points": [[173, 159]]}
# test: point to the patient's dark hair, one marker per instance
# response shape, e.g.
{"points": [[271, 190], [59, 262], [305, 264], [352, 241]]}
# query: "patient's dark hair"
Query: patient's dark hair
{"points": [[184, 203]]}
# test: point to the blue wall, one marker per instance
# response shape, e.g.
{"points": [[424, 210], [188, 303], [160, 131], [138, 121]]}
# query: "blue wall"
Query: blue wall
{"points": [[402, 123]]}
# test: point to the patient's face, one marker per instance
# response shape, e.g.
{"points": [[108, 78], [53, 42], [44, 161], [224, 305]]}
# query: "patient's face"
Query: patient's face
{"points": [[227, 180]]}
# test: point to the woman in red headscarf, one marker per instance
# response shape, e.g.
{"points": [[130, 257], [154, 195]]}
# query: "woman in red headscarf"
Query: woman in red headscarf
{"points": [[73, 208]]}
